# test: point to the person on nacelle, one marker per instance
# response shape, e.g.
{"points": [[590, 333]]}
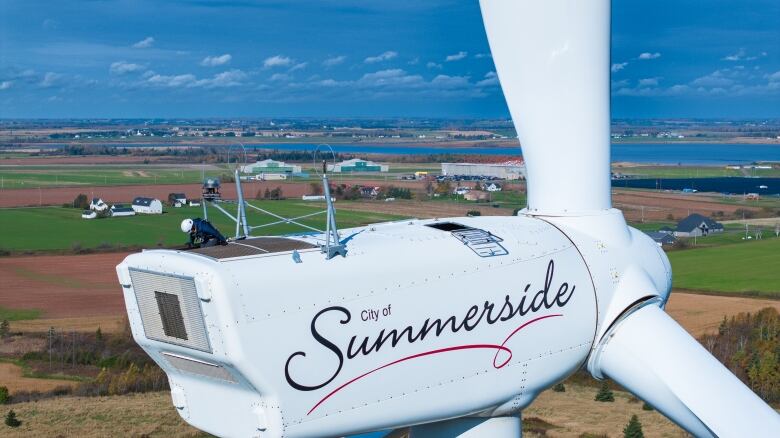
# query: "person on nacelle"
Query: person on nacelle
{"points": [[202, 233]]}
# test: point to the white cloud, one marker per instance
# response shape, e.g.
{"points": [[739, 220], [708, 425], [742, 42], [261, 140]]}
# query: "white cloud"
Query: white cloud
{"points": [[334, 61], [123, 67], [618, 66], [491, 78], [649, 82], [394, 76], [230, 78], [299, 66], [6, 85], [277, 61], [449, 82], [50, 79], [456, 57], [144, 43], [279, 77], [433, 65], [648, 55], [716, 79], [173, 81], [742, 55], [728, 82], [381, 57], [214, 61], [483, 55]]}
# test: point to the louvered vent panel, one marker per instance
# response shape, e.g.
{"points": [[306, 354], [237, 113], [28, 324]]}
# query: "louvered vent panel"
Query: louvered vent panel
{"points": [[200, 368], [170, 309]]}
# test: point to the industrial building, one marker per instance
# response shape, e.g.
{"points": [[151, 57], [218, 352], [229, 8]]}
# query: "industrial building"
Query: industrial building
{"points": [[357, 165], [147, 205], [271, 167], [511, 170]]}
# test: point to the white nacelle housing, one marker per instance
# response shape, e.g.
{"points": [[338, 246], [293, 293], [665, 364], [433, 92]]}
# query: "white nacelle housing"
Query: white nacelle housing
{"points": [[473, 317]]}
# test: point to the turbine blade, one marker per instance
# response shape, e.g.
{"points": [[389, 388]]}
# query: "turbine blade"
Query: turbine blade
{"points": [[552, 58], [649, 354]]}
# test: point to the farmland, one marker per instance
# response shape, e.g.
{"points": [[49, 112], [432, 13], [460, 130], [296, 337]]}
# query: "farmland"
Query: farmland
{"points": [[752, 268], [57, 228]]}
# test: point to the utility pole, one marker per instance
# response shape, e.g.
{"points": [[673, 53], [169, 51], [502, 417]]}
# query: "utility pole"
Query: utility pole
{"points": [[51, 333]]}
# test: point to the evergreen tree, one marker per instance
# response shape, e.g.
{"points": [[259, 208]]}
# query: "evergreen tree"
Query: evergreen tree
{"points": [[605, 394], [11, 420], [4, 396], [559, 388], [647, 407], [633, 429], [5, 329]]}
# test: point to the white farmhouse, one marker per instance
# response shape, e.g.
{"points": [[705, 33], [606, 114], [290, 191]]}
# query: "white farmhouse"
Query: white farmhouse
{"points": [[97, 204]]}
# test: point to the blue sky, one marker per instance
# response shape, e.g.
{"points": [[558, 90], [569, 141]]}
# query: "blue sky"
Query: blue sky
{"points": [[416, 58]]}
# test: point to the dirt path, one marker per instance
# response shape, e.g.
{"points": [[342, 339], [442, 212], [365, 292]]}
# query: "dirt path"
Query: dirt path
{"points": [[11, 377]]}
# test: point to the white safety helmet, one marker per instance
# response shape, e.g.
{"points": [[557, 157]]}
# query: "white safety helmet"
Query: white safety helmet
{"points": [[186, 225]]}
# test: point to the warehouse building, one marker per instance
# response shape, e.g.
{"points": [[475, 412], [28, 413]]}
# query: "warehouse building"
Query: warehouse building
{"points": [[271, 167], [357, 165], [510, 170], [147, 205]]}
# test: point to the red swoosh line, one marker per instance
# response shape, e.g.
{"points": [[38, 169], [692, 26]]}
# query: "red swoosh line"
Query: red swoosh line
{"points": [[498, 348]]}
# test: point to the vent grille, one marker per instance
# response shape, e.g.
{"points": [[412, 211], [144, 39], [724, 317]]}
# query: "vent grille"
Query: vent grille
{"points": [[170, 309], [170, 313], [199, 367]]}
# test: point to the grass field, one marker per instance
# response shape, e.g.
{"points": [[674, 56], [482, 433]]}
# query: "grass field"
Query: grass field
{"points": [[18, 314], [21, 177], [746, 267], [565, 414], [55, 228], [692, 171]]}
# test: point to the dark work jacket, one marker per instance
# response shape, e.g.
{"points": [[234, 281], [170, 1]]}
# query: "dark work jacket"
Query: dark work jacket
{"points": [[204, 231]]}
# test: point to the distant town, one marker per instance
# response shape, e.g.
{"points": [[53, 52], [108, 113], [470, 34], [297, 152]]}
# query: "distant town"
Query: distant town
{"points": [[498, 132]]}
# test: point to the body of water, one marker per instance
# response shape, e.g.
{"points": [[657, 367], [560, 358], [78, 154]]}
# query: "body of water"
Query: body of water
{"points": [[717, 154], [730, 185], [712, 154]]}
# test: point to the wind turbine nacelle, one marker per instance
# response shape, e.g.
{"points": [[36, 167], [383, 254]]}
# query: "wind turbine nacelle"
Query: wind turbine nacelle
{"points": [[421, 321]]}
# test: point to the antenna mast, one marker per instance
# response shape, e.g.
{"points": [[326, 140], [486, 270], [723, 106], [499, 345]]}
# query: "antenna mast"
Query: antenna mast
{"points": [[332, 246]]}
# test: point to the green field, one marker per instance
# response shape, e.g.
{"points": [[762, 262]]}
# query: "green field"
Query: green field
{"points": [[692, 171], [55, 228], [746, 267], [18, 314]]}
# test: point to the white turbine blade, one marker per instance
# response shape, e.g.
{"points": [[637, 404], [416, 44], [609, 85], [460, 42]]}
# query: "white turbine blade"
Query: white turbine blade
{"points": [[649, 354], [552, 58]]}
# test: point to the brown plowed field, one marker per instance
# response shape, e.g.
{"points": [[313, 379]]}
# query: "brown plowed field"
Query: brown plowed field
{"points": [[61, 195], [658, 205], [63, 286]]}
